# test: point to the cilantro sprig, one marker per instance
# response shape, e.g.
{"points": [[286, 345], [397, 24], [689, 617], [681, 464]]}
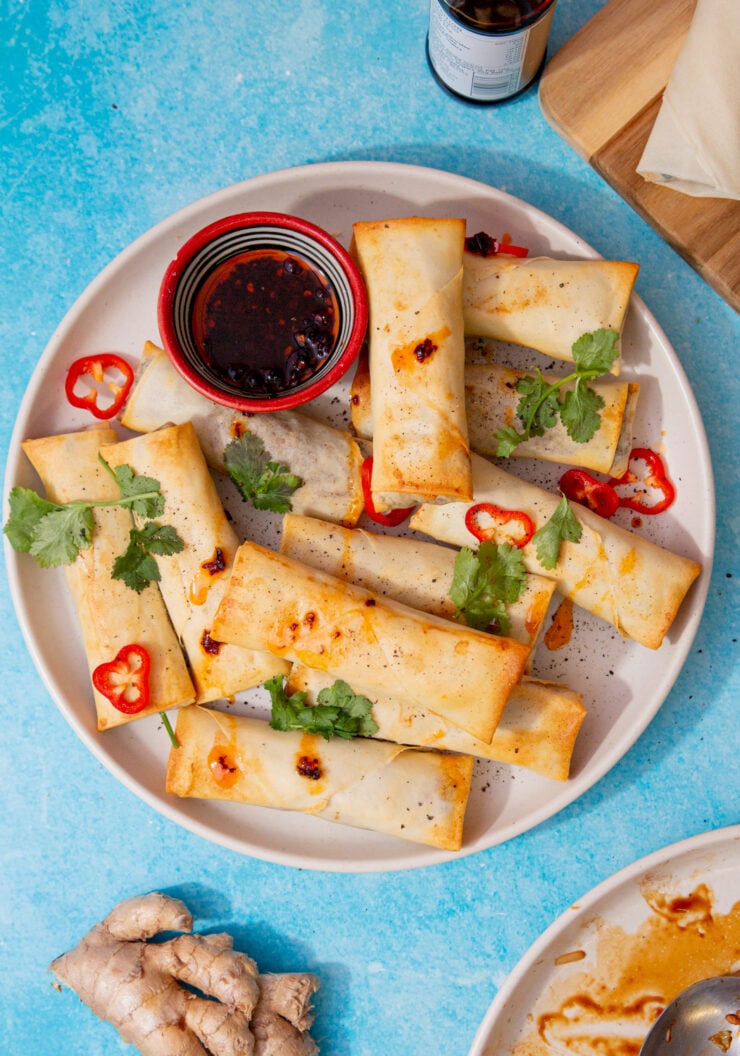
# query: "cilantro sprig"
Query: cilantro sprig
{"points": [[136, 565], [55, 533], [485, 581], [562, 527], [338, 712], [579, 408], [267, 484]]}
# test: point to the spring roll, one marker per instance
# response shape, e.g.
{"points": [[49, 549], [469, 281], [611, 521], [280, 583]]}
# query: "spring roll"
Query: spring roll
{"points": [[616, 574], [194, 580], [414, 573], [491, 400], [111, 615], [413, 273], [327, 460], [537, 730], [415, 795], [491, 397], [305, 615], [545, 304]]}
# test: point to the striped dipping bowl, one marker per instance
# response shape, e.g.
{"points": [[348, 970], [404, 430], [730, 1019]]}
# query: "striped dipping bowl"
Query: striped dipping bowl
{"points": [[262, 311]]}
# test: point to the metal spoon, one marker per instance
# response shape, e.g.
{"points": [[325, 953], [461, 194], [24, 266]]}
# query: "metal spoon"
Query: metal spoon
{"points": [[704, 1020]]}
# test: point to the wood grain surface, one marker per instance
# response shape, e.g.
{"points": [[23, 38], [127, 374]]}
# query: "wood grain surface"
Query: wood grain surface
{"points": [[602, 92]]}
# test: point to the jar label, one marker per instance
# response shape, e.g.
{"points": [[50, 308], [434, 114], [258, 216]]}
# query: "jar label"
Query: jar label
{"points": [[484, 66]]}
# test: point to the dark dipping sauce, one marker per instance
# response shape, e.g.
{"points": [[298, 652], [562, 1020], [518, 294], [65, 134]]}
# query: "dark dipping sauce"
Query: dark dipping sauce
{"points": [[497, 16], [265, 321]]}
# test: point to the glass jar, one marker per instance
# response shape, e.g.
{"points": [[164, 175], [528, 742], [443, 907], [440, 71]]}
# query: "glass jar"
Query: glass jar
{"points": [[485, 51]]}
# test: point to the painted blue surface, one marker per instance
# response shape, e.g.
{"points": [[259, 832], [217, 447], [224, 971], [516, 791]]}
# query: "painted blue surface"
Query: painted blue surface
{"points": [[112, 116]]}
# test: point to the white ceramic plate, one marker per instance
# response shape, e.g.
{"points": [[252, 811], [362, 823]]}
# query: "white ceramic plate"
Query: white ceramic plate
{"points": [[623, 684], [586, 933]]}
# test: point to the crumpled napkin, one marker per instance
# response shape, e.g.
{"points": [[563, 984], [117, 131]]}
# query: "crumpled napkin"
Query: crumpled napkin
{"points": [[694, 146]]}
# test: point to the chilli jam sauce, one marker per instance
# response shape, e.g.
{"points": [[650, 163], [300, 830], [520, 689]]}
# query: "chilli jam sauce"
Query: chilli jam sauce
{"points": [[485, 51], [265, 321]]}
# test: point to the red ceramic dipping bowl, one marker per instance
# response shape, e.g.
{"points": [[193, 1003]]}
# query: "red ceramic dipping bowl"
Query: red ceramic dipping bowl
{"points": [[262, 311]]}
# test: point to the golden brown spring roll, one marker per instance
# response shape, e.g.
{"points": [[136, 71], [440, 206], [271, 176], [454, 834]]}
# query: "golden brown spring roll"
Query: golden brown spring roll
{"points": [[111, 615], [615, 574], [414, 573], [305, 615], [415, 795], [543, 303], [327, 460], [413, 272], [537, 730], [194, 581], [491, 400]]}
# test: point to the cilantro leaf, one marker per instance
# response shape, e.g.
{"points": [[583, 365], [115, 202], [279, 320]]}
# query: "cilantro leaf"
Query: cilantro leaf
{"points": [[141, 494], [277, 486], [284, 707], [160, 539], [579, 409], [354, 712], [61, 534], [596, 351], [267, 484], [136, 565], [579, 412], [27, 510], [562, 526], [508, 439], [338, 712], [538, 408], [485, 581], [54, 533], [136, 568]]}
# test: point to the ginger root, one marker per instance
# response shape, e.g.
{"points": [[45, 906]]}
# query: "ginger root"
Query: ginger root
{"points": [[137, 986]]}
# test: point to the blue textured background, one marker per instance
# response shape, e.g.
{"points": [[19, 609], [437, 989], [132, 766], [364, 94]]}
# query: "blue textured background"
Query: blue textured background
{"points": [[113, 116]]}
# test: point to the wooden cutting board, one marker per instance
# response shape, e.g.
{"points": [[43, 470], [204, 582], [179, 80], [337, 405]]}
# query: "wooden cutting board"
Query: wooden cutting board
{"points": [[602, 92]]}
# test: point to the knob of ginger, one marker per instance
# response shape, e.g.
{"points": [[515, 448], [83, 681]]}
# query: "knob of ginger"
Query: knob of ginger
{"points": [[137, 986]]}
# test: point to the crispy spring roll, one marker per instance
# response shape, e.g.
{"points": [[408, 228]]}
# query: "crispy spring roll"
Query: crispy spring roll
{"points": [[537, 730], [305, 615], [413, 273], [545, 304], [414, 573], [491, 401], [111, 615], [618, 575], [491, 398], [194, 580], [415, 795], [327, 460]]}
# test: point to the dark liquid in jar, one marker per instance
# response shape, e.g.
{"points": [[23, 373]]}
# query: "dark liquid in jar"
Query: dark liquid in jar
{"points": [[497, 16], [265, 321]]}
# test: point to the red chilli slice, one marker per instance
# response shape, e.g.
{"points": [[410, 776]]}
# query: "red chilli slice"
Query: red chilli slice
{"points": [[656, 479], [96, 373], [596, 495], [500, 520], [392, 518], [125, 680]]}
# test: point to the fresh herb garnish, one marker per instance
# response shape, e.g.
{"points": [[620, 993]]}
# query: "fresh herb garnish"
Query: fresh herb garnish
{"points": [[485, 581], [268, 485], [563, 526], [579, 409], [55, 533], [136, 565], [338, 712]]}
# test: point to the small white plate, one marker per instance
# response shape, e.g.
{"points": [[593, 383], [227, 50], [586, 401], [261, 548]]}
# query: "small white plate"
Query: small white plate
{"points": [[551, 1003], [623, 684]]}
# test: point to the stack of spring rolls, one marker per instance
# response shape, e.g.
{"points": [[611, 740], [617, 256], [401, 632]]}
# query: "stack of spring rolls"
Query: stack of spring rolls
{"points": [[373, 609]]}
